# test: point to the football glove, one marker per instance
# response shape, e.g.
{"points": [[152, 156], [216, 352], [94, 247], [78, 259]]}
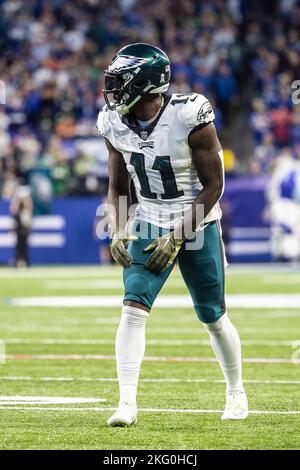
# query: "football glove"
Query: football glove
{"points": [[165, 250], [118, 248]]}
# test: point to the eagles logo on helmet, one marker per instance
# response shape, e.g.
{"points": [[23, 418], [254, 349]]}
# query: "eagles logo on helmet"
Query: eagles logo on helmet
{"points": [[136, 70]]}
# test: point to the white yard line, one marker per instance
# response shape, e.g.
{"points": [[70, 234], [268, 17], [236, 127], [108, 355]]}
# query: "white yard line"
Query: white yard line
{"points": [[150, 342], [246, 301], [100, 357], [42, 400], [167, 380], [148, 410], [155, 330]]}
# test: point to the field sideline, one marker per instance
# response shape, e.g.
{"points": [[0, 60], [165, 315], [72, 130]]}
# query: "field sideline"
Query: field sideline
{"points": [[58, 384]]}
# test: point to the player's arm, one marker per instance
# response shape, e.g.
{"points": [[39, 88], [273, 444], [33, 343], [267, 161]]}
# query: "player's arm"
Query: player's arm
{"points": [[118, 197], [206, 156], [118, 187]]}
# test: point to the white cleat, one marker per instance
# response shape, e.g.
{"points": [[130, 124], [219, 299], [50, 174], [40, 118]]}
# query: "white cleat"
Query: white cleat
{"points": [[236, 406], [125, 415]]}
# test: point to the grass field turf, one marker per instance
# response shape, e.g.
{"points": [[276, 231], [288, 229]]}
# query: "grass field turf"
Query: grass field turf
{"points": [[49, 332]]}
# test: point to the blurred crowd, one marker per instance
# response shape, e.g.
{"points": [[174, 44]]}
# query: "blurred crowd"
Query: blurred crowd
{"points": [[275, 65], [242, 54]]}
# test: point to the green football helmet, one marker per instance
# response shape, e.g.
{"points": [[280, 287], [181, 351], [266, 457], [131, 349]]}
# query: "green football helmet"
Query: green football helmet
{"points": [[136, 70]]}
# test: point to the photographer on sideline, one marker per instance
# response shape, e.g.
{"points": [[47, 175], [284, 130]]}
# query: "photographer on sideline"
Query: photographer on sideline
{"points": [[21, 210]]}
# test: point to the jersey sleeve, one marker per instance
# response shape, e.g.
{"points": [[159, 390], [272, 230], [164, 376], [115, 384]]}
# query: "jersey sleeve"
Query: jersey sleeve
{"points": [[197, 112], [102, 122]]}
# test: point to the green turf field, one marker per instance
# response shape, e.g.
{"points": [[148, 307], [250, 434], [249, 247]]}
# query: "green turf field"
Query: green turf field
{"points": [[58, 384]]}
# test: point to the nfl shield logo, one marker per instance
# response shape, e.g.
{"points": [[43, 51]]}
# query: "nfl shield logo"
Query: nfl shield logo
{"points": [[144, 135]]}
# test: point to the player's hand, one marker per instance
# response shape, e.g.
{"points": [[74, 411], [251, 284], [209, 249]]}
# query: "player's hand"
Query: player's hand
{"points": [[118, 248], [165, 249]]}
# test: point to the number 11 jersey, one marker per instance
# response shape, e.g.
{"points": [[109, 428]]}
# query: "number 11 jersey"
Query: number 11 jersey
{"points": [[158, 157]]}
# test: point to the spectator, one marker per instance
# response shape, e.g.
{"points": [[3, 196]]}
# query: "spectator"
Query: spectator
{"points": [[259, 120], [264, 155]]}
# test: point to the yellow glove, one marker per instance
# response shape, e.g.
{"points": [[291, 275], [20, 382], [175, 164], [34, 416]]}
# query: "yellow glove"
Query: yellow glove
{"points": [[166, 248], [118, 248]]}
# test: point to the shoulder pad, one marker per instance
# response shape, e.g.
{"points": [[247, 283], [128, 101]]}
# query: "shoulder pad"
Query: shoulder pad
{"points": [[196, 111]]}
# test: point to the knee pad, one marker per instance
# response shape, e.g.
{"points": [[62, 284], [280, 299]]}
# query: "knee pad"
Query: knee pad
{"points": [[208, 314], [137, 288], [218, 327], [136, 284]]}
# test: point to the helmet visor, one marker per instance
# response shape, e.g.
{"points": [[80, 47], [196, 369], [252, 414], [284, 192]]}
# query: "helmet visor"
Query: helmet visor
{"points": [[113, 89]]}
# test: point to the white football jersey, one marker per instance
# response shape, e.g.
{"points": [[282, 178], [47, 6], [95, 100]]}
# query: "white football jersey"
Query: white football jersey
{"points": [[158, 157]]}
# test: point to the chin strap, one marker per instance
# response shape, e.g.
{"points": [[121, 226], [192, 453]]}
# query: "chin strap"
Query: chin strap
{"points": [[125, 108]]}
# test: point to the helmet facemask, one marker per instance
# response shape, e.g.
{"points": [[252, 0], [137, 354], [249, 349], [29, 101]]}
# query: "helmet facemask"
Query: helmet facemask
{"points": [[122, 91], [114, 90]]}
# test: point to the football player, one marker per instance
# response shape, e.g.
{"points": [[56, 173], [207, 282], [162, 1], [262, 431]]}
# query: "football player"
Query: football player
{"points": [[168, 146]]}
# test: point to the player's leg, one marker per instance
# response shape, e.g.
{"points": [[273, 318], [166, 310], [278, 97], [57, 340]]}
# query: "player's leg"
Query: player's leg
{"points": [[203, 272], [141, 288], [130, 348], [225, 342]]}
